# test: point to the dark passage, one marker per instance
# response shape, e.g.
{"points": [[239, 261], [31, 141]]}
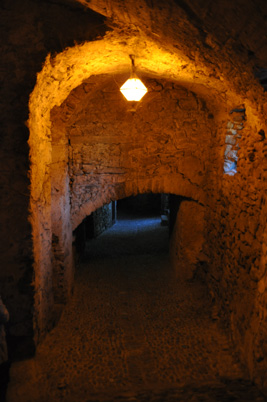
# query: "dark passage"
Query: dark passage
{"points": [[133, 333]]}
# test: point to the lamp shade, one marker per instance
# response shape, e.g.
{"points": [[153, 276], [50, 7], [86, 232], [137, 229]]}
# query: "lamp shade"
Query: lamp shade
{"points": [[133, 89]]}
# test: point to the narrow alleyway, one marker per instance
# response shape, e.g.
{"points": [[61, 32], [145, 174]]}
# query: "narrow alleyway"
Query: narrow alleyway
{"points": [[133, 333]]}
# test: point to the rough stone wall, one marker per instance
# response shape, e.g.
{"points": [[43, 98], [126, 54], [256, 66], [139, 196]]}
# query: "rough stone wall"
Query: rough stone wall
{"points": [[166, 139], [102, 219], [237, 246], [91, 226], [29, 30]]}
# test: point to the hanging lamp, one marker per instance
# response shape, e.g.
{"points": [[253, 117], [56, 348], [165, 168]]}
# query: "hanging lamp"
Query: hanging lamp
{"points": [[133, 89]]}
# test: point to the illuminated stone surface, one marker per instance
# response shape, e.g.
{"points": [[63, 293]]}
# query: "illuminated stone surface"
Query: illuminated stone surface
{"points": [[54, 56]]}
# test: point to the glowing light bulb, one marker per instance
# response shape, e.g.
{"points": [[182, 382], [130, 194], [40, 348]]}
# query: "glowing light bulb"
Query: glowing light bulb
{"points": [[133, 89]]}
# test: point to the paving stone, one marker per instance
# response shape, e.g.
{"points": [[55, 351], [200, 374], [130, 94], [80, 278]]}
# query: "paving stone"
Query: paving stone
{"points": [[132, 332]]}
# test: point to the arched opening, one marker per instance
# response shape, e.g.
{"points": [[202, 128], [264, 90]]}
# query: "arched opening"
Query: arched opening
{"points": [[198, 61], [182, 220], [102, 151], [136, 216], [148, 210], [181, 162], [54, 161]]}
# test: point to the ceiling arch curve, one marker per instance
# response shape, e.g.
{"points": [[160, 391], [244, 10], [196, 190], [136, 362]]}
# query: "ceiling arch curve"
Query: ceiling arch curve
{"points": [[66, 71], [168, 185], [61, 74]]}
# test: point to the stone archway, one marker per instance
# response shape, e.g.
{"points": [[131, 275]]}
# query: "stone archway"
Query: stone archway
{"points": [[101, 152], [58, 78]]}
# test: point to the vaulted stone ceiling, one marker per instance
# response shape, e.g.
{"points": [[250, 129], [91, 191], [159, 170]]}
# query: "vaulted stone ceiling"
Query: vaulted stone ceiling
{"points": [[213, 48], [207, 31]]}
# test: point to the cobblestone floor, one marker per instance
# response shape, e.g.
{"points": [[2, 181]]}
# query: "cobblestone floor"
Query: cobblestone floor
{"points": [[132, 333]]}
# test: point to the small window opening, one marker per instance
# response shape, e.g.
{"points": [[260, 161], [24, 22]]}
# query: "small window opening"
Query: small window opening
{"points": [[235, 126]]}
